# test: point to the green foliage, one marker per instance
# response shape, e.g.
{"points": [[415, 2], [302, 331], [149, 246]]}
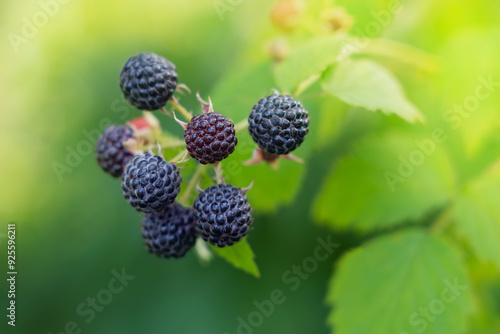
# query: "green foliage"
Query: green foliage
{"points": [[387, 285], [307, 61], [477, 214], [377, 186], [358, 167], [239, 255], [366, 84], [394, 174]]}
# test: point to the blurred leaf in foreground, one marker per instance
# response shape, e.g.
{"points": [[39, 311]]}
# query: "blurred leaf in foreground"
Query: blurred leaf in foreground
{"points": [[369, 85], [306, 61], [477, 214], [408, 282], [388, 179]]}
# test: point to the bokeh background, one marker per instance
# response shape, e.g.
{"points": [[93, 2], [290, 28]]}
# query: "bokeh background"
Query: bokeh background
{"points": [[73, 231]]}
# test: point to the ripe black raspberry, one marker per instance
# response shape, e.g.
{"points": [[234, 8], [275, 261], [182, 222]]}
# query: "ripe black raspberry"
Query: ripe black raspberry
{"points": [[148, 81], [210, 137], [223, 215], [149, 183], [278, 124], [171, 232], [110, 152]]}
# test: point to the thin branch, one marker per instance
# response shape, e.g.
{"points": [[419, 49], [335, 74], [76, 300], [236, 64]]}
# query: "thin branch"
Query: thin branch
{"points": [[442, 221], [238, 127], [192, 183], [177, 106]]}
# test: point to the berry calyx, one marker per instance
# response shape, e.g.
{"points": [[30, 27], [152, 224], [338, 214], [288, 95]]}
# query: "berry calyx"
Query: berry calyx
{"points": [[148, 81], [150, 183], [223, 215]]}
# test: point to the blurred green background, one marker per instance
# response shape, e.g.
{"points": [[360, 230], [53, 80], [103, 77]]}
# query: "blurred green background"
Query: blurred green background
{"points": [[72, 233]]}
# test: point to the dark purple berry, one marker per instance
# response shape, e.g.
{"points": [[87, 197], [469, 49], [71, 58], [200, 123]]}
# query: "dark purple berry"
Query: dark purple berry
{"points": [[171, 232], [210, 137], [149, 183], [148, 81], [278, 124], [223, 215], [110, 152]]}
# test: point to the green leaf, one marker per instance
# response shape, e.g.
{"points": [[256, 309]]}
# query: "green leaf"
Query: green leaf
{"points": [[400, 52], [239, 255], [477, 215], [389, 178], [366, 84], [408, 282], [234, 97], [307, 60]]}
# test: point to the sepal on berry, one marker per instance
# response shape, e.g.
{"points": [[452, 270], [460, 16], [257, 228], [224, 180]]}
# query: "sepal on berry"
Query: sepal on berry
{"points": [[259, 156]]}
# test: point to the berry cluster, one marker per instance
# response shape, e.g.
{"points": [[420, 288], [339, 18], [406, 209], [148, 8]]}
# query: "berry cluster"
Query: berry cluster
{"points": [[221, 214]]}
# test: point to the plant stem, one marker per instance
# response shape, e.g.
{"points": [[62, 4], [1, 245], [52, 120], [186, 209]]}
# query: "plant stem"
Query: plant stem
{"points": [[238, 127], [218, 173], [179, 156], [181, 109], [194, 179], [166, 112], [442, 222], [171, 142]]}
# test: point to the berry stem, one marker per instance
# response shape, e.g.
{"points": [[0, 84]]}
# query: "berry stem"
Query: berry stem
{"points": [[179, 157], [176, 105], [171, 142], [218, 173], [192, 183], [166, 112], [241, 126]]}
